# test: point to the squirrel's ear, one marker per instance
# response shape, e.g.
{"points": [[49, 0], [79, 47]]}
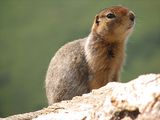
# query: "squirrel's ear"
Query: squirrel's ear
{"points": [[97, 20]]}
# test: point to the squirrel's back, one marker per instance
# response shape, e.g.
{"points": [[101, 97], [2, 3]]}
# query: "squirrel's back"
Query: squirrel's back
{"points": [[67, 74]]}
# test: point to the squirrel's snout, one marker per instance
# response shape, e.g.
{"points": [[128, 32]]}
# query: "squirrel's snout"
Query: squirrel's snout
{"points": [[131, 16]]}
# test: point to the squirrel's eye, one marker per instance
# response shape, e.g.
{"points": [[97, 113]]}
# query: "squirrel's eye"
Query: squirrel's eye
{"points": [[111, 15]]}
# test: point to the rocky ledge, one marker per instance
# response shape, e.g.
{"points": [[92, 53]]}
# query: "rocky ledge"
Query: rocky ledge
{"points": [[138, 99]]}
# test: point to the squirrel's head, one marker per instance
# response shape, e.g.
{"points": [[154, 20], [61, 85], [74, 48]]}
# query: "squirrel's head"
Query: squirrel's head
{"points": [[116, 21]]}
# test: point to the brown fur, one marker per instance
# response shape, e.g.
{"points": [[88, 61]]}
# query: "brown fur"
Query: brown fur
{"points": [[92, 62]]}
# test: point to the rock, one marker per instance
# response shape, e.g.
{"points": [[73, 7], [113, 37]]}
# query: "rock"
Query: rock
{"points": [[138, 99]]}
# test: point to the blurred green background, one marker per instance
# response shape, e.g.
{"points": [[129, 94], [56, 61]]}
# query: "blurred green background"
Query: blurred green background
{"points": [[31, 31]]}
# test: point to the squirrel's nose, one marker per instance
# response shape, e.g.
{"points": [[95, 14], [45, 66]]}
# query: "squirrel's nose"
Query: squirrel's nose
{"points": [[131, 16]]}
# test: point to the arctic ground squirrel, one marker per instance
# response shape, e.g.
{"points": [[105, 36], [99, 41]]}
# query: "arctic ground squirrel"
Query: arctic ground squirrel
{"points": [[90, 63]]}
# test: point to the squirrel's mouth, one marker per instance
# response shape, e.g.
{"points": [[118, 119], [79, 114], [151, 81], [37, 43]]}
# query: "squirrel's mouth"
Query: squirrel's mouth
{"points": [[131, 25]]}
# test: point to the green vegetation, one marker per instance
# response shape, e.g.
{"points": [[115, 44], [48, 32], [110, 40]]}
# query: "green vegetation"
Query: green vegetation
{"points": [[31, 31]]}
